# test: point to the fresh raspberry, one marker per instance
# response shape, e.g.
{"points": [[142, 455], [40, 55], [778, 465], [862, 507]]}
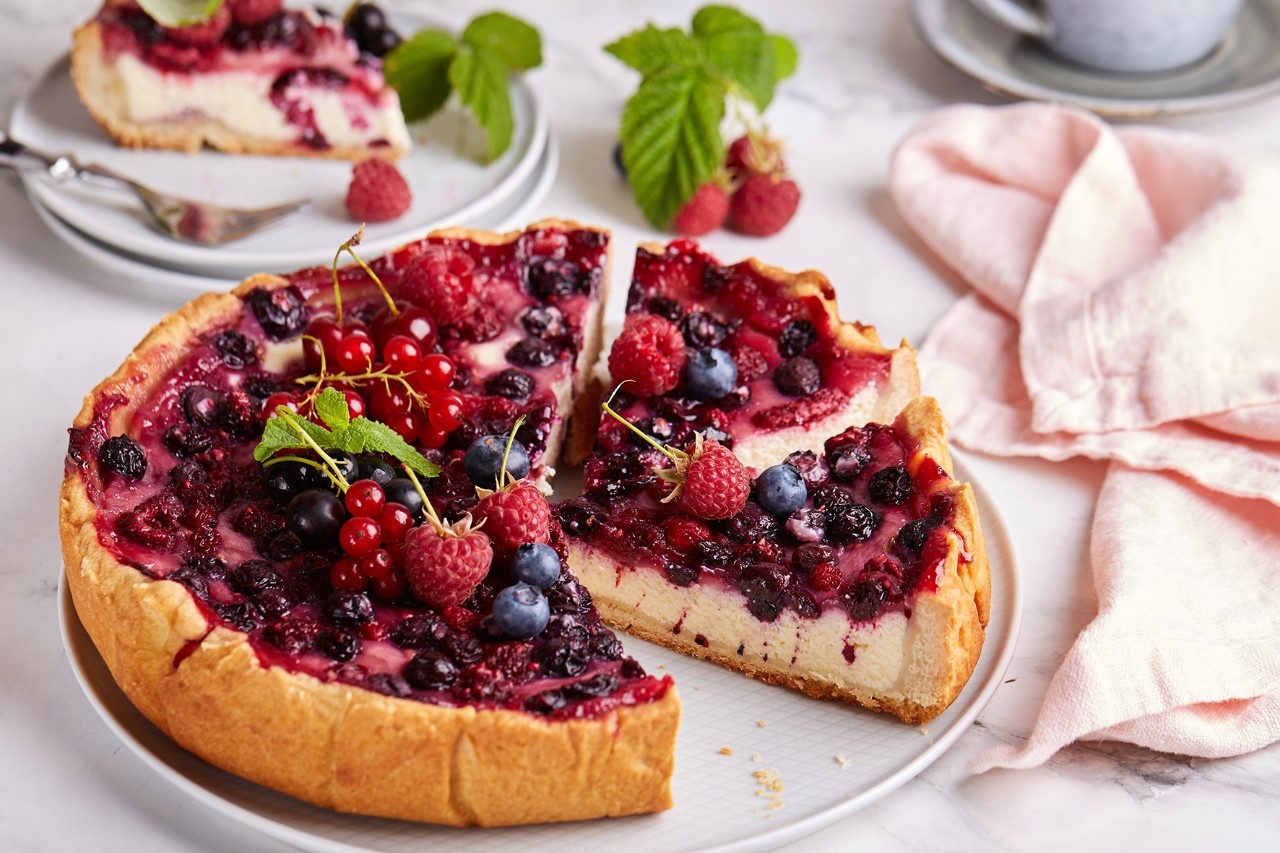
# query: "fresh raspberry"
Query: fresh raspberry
{"points": [[378, 191], [247, 13], [514, 516], [753, 155], [825, 577], [684, 534], [439, 279], [704, 213], [763, 205], [750, 361], [444, 566], [205, 32], [650, 354], [716, 483]]}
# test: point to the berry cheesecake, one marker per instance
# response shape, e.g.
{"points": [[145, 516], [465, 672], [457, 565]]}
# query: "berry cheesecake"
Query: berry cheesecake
{"points": [[750, 350], [253, 79], [274, 524]]}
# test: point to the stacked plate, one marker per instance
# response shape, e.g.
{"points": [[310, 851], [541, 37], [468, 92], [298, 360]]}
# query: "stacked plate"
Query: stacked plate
{"points": [[451, 184]]}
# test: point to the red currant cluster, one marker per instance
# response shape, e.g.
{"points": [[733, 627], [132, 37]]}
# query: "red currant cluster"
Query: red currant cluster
{"points": [[387, 371], [371, 542]]}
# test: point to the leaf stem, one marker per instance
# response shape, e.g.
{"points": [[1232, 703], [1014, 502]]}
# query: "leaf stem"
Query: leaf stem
{"points": [[334, 472], [671, 453]]}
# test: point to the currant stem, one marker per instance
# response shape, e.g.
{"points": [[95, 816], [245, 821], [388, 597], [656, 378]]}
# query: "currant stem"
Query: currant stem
{"points": [[422, 493], [391, 303], [504, 476], [305, 461], [670, 453]]}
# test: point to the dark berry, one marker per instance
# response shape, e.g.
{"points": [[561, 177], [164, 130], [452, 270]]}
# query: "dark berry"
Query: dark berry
{"points": [[600, 684], [807, 524], [281, 312], [544, 321], [798, 376], [700, 329], [811, 466], [796, 338], [548, 277], [402, 491], [124, 456], [419, 632], [430, 670], [667, 308], [911, 538], [347, 465], [536, 564], [202, 405], [847, 462], [289, 478], [462, 648], [533, 352], [513, 384], [831, 496], [242, 616], [716, 278], [811, 555], [890, 486], [780, 489], [236, 350], [852, 523], [338, 645], [348, 609], [483, 460], [751, 525], [865, 598], [376, 469], [617, 160], [316, 515], [714, 554], [559, 657], [289, 636], [764, 584], [185, 440], [521, 611], [710, 373], [254, 577], [279, 545]]}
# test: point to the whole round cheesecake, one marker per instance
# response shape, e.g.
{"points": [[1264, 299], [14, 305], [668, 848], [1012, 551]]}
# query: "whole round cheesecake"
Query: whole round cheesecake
{"points": [[216, 575]]}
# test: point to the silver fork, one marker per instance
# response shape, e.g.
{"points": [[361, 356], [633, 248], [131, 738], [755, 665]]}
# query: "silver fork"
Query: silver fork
{"points": [[180, 218]]}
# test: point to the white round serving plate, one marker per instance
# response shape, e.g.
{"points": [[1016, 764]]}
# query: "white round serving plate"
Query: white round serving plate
{"points": [[449, 184], [1244, 68], [135, 274], [831, 759]]}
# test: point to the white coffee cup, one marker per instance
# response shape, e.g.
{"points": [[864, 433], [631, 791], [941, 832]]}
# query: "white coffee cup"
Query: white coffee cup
{"points": [[1120, 35]]}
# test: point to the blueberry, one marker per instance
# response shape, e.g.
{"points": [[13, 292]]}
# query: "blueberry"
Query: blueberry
{"points": [[430, 670], [202, 405], [483, 460], [533, 352], [338, 645], [618, 162], [807, 524], [124, 456], [375, 468], [780, 489], [520, 611], [710, 373], [544, 321], [890, 486], [536, 564], [282, 312], [798, 376], [851, 523], [515, 385], [402, 491], [316, 515], [235, 349], [348, 609], [549, 277]]}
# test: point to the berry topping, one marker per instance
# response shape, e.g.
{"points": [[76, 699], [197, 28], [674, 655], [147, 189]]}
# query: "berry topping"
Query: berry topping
{"points": [[521, 611], [513, 515], [548, 278], [315, 515], [796, 338], [124, 456], [439, 279], [798, 376], [484, 461], [281, 312], [716, 483], [851, 523], [402, 491], [249, 13], [705, 212], [378, 192], [701, 329], [890, 486], [807, 524], [649, 355], [512, 384], [236, 350], [781, 489], [533, 352], [536, 564], [205, 32], [763, 205], [445, 564], [710, 373]]}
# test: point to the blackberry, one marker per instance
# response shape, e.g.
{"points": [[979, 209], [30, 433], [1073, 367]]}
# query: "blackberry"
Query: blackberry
{"points": [[798, 376], [764, 584], [796, 338], [831, 496], [513, 384], [911, 538], [681, 574], [751, 525], [853, 523], [890, 486], [260, 386], [667, 308], [462, 648], [601, 684], [430, 670], [282, 312], [533, 352], [713, 554], [560, 657], [124, 456], [235, 349], [254, 577], [290, 637], [279, 545], [185, 440], [812, 554], [191, 578]]}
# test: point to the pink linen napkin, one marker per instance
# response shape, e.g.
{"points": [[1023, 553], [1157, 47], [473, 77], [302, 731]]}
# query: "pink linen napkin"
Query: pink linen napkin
{"points": [[1127, 307]]}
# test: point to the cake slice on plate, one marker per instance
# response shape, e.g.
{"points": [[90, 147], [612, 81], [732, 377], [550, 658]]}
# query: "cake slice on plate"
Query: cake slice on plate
{"points": [[853, 567], [291, 83], [332, 643]]}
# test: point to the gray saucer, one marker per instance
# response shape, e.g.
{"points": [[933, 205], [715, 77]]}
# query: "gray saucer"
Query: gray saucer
{"points": [[1244, 68]]}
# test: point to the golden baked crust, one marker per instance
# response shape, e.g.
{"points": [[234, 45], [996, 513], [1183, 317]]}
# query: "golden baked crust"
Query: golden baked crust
{"points": [[911, 667], [102, 92], [331, 744]]}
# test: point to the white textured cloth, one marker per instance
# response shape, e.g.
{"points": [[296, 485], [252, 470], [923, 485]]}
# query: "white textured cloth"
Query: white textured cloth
{"points": [[1127, 307]]}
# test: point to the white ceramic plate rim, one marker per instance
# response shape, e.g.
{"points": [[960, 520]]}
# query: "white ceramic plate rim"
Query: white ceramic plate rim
{"points": [[930, 17], [232, 261], [165, 280], [1002, 636]]}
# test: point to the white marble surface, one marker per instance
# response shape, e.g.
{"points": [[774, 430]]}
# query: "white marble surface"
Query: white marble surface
{"points": [[67, 784]]}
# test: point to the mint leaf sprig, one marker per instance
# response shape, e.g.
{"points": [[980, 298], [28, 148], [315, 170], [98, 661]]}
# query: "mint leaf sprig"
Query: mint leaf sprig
{"points": [[287, 430], [179, 13], [670, 135], [427, 68]]}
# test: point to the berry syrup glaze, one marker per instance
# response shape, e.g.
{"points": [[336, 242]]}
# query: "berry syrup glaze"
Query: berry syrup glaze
{"points": [[299, 50], [199, 510]]}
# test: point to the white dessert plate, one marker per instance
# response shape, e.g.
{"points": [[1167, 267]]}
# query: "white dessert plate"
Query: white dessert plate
{"points": [[132, 273], [1244, 68], [736, 735], [449, 184]]}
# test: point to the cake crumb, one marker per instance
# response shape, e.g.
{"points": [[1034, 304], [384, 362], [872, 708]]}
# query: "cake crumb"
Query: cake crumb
{"points": [[924, 730], [757, 758], [726, 750], [770, 787], [760, 723], [843, 760]]}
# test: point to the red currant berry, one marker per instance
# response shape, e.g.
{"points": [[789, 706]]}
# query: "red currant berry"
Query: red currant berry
{"points": [[373, 631], [446, 411], [389, 588], [431, 436], [435, 372], [355, 353], [387, 399], [402, 354], [355, 403], [412, 322], [376, 564], [406, 424], [278, 399], [359, 536], [345, 575], [323, 334], [395, 520], [365, 499]]}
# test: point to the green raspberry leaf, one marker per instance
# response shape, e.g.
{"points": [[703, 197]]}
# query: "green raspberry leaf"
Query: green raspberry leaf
{"points": [[785, 57], [671, 138], [715, 20], [516, 43], [418, 69], [179, 13], [332, 408], [480, 78], [366, 436], [746, 58], [652, 49]]}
